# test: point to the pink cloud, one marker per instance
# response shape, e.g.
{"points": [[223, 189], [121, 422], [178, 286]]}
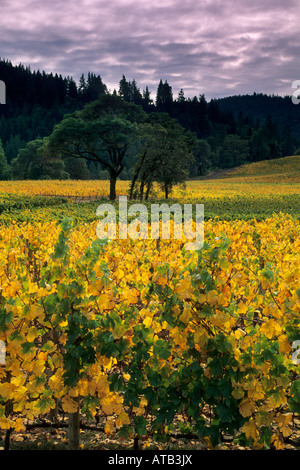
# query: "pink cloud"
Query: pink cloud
{"points": [[212, 47]]}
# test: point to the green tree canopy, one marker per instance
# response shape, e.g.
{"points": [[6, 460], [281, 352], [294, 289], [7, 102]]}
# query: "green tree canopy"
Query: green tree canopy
{"points": [[32, 163], [235, 151], [202, 154], [102, 132], [165, 154]]}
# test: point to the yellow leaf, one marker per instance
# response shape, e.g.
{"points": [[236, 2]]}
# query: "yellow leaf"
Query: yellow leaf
{"points": [[250, 429], [7, 390], [278, 399], [31, 411], [19, 426], [111, 404], [246, 408], [36, 312], [141, 409], [179, 338], [255, 390], [277, 440], [238, 393], [5, 423], [122, 419], [69, 405], [184, 289], [56, 381], [242, 307], [38, 367], [283, 421], [201, 298], [19, 380], [102, 385], [176, 310], [271, 328], [212, 297], [263, 419], [92, 387], [239, 333], [147, 322], [200, 339], [284, 345], [186, 314], [107, 428]]}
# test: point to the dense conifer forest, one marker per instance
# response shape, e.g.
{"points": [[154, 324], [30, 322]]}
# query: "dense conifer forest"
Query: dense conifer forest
{"points": [[228, 132]]}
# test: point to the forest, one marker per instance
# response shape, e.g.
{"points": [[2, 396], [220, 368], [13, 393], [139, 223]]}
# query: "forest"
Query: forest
{"points": [[222, 133]]}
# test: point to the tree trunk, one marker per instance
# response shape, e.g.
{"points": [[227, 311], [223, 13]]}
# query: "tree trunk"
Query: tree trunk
{"points": [[7, 439], [148, 191], [142, 185], [166, 191], [133, 185], [74, 428], [112, 191], [8, 411]]}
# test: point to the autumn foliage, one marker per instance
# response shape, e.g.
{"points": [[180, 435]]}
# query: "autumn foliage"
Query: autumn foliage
{"points": [[137, 332]]}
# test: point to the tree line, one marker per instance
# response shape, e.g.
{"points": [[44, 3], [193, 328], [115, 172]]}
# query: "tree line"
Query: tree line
{"points": [[128, 134]]}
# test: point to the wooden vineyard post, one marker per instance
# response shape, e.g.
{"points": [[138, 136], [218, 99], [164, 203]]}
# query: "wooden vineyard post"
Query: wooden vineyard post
{"points": [[74, 428]]}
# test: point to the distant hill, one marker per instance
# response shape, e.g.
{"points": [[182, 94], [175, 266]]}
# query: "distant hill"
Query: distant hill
{"points": [[259, 106], [280, 169]]}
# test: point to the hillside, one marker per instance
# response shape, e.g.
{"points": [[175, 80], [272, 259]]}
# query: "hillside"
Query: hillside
{"points": [[258, 106], [281, 169]]}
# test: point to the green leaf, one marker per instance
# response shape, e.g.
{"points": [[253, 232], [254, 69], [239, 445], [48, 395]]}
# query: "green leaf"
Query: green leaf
{"points": [[140, 424], [222, 343], [154, 379], [224, 413], [294, 401], [268, 273], [116, 383], [225, 387], [27, 347], [5, 319], [265, 436], [125, 432], [216, 366], [162, 349], [46, 401]]}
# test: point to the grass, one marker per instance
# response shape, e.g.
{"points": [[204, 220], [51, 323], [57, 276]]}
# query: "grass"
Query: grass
{"points": [[287, 168], [252, 191]]}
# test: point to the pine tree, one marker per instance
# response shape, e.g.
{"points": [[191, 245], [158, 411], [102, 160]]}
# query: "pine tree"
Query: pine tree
{"points": [[147, 101], [136, 96], [164, 97], [125, 89], [82, 85], [71, 88], [181, 97]]}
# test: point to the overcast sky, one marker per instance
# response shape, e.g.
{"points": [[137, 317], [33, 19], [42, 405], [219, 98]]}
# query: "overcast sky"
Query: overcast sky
{"points": [[215, 47]]}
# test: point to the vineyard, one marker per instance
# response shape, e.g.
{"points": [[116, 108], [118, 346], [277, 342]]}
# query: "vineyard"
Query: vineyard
{"points": [[141, 342]]}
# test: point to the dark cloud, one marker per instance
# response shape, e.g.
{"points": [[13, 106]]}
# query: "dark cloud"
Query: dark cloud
{"points": [[212, 47]]}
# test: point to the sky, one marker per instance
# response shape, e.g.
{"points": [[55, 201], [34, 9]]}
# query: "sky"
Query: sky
{"points": [[215, 47]]}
